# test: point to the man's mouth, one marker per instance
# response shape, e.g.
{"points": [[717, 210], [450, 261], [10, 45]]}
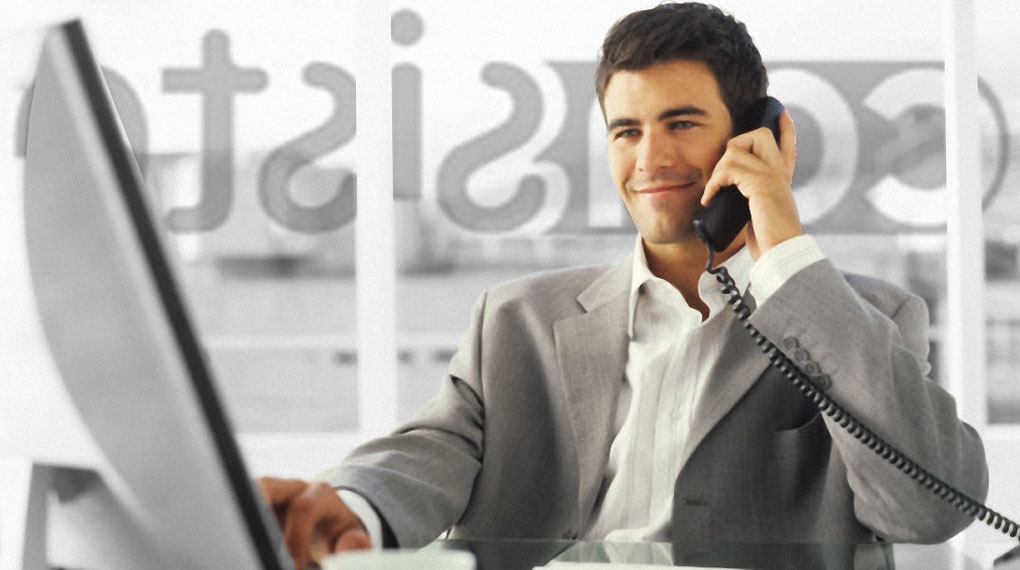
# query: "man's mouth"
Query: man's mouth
{"points": [[661, 188]]}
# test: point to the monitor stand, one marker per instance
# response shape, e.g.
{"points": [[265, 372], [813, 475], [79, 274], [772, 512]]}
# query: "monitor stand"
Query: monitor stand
{"points": [[72, 519]]}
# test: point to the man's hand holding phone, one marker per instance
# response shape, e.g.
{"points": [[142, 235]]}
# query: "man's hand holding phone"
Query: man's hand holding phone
{"points": [[314, 520], [763, 172]]}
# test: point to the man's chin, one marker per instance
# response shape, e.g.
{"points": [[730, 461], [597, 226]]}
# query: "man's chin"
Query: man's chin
{"points": [[671, 236]]}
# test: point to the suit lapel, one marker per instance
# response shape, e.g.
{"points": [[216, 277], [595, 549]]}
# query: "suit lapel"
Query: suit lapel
{"points": [[738, 367], [592, 352]]}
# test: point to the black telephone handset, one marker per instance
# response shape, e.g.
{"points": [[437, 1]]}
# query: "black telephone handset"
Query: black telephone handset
{"points": [[727, 213], [721, 221]]}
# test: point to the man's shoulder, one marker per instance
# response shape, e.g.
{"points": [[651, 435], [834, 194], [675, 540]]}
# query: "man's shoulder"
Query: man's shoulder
{"points": [[549, 296], [543, 287], [885, 296]]}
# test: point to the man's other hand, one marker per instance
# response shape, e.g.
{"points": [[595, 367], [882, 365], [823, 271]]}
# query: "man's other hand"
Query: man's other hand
{"points": [[314, 521]]}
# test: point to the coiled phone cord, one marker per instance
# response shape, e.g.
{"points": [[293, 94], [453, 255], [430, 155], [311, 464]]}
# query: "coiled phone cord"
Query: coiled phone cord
{"points": [[844, 418]]}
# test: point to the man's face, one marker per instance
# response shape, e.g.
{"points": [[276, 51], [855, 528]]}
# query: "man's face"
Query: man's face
{"points": [[667, 127]]}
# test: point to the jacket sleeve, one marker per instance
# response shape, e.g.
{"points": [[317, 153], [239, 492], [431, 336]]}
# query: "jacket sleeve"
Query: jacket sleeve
{"points": [[420, 477], [870, 339]]}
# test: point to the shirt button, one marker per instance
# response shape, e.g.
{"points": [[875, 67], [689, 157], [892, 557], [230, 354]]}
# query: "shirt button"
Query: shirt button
{"points": [[801, 355], [790, 343], [811, 368]]}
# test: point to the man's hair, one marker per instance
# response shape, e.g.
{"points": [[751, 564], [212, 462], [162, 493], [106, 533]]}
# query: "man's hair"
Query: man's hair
{"points": [[690, 30]]}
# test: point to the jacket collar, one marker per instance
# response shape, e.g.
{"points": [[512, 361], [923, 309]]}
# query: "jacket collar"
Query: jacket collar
{"points": [[608, 286], [592, 353], [591, 350], [738, 266]]}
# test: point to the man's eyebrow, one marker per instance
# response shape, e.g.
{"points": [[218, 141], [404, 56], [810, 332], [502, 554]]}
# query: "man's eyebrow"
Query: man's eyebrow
{"points": [[617, 123], [685, 111]]}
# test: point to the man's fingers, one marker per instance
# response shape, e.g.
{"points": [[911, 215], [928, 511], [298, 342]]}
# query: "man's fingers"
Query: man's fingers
{"points": [[733, 168], [279, 491], [787, 140], [316, 518], [763, 144], [751, 156], [344, 532], [304, 514], [354, 539]]}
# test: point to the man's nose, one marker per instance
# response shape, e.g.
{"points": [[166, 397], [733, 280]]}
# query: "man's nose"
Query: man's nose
{"points": [[655, 153]]}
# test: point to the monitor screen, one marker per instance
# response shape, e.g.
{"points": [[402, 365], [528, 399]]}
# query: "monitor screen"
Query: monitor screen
{"points": [[119, 332]]}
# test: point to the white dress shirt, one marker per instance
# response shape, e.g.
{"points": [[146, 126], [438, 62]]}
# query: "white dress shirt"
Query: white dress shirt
{"points": [[670, 352], [669, 356]]}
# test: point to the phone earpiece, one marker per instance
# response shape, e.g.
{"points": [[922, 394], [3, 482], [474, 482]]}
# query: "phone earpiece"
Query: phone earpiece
{"points": [[728, 211]]}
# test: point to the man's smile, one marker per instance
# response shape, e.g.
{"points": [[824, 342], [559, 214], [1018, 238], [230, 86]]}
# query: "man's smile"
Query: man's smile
{"points": [[659, 189]]}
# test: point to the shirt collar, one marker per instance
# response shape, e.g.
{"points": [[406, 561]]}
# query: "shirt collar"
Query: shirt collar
{"points": [[738, 265]]}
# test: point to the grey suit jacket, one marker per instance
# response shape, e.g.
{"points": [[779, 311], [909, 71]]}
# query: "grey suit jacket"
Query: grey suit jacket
{"points": [[516, 442]]}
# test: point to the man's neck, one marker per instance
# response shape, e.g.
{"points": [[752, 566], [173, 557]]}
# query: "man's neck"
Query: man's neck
{"points": [[682, 263]]}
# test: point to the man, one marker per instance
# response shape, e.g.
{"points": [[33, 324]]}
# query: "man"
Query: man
{"points": [[627, 403]]}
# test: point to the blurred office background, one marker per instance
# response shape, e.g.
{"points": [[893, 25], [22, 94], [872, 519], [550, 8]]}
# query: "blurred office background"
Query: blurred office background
{"points": [[243, 116]]}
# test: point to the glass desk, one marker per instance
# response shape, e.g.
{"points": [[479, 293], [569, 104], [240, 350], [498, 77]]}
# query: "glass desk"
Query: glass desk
{"points": [[528, 554]]}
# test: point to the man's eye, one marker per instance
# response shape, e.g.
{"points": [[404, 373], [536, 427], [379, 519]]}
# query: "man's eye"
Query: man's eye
{"points": [[680, 125], [625, 133]]}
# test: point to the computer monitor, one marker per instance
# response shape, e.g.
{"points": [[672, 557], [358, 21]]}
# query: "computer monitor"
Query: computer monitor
{"points": [[167, 487]]}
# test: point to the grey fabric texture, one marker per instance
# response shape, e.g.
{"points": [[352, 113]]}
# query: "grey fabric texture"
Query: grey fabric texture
{"points": [[515, 444]]}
